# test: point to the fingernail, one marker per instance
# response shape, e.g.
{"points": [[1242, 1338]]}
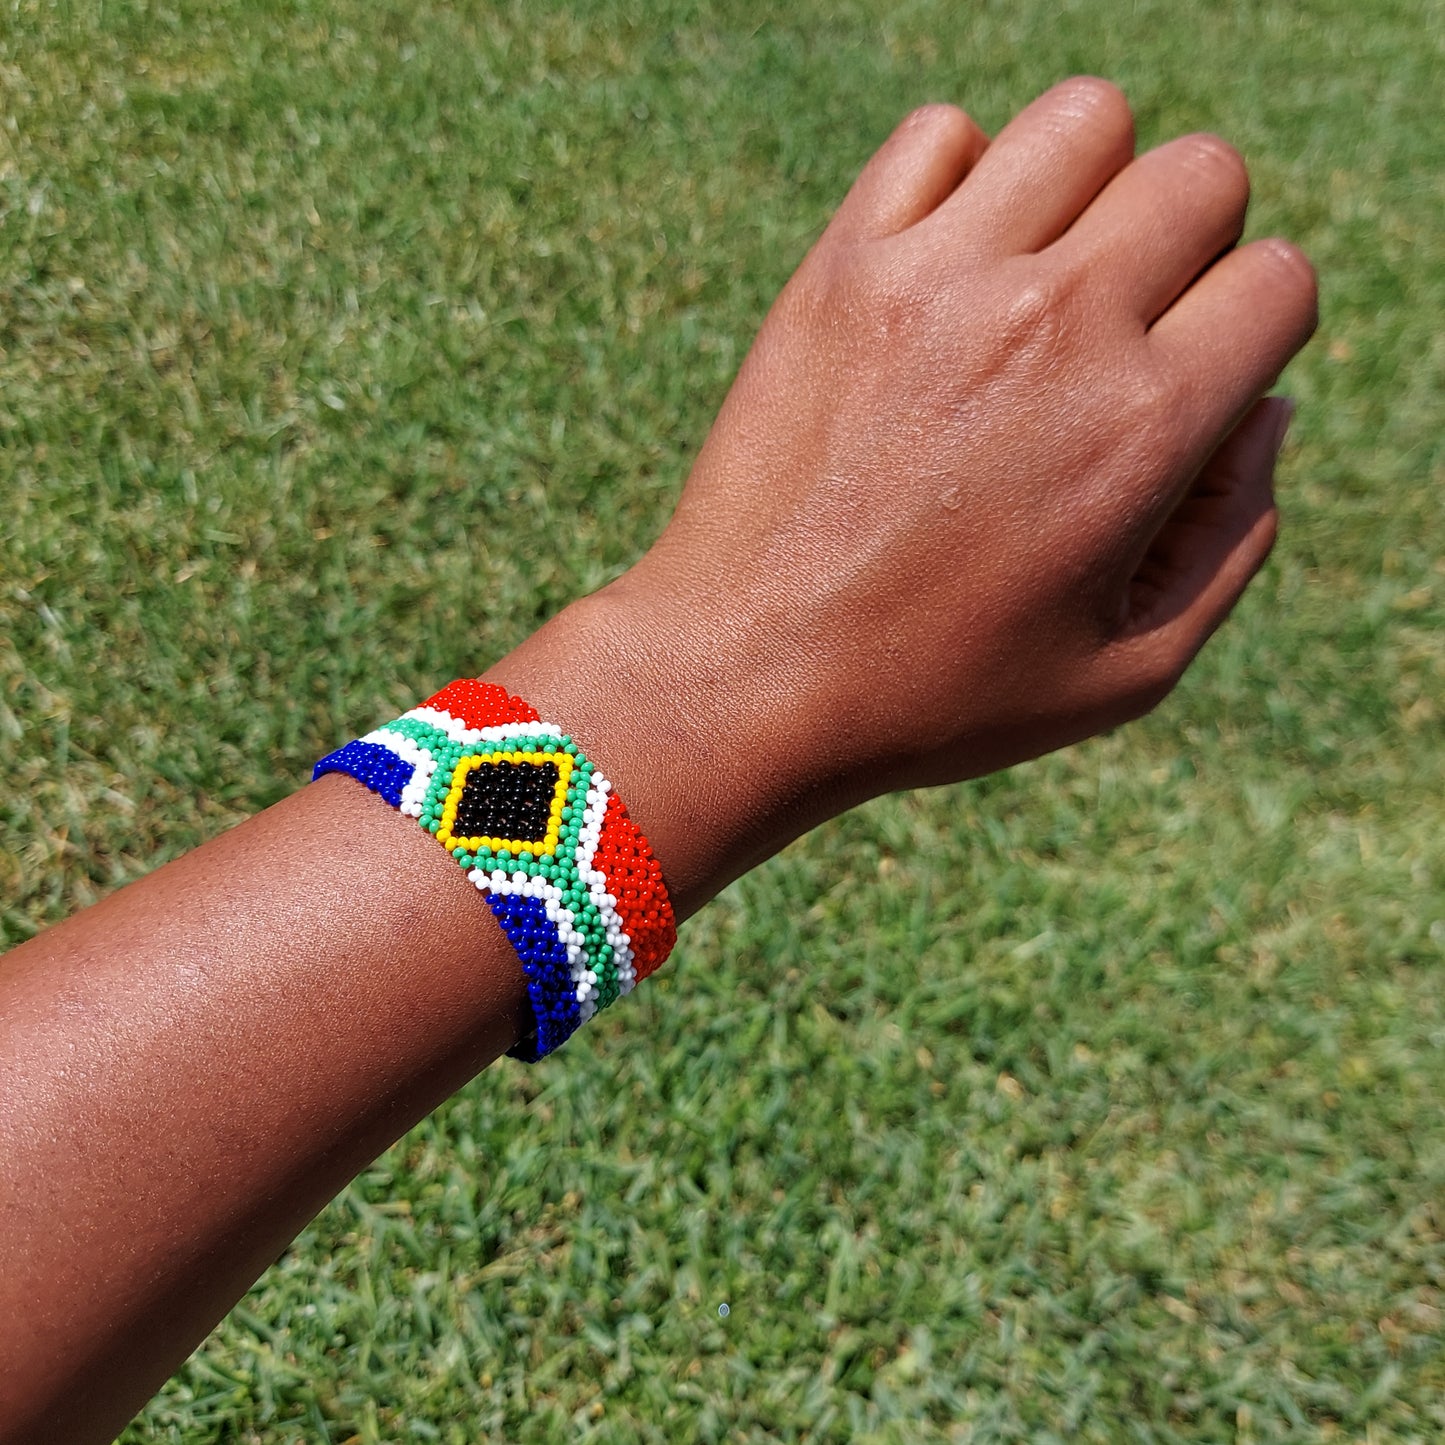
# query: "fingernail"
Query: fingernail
{"points": [[1284, 411]]}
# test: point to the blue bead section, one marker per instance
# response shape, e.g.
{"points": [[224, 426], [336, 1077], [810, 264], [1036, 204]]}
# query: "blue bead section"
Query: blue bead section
{"points": [[370, 763], [544, 963]]}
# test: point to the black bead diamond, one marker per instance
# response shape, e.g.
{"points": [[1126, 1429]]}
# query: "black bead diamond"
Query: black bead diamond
{"points": [[507, 800]]}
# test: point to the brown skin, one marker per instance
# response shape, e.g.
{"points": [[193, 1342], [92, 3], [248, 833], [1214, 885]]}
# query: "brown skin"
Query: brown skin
{"points": [[993, 472]]}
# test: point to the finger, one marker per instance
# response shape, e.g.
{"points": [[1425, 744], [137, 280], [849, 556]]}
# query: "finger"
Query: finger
{"points": [[1042, 169], [1202, 559], [1228, 337], [914, 171], [1161, 221]]}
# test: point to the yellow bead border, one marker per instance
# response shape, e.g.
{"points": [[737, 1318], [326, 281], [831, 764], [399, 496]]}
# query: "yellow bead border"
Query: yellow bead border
{"points": [[547, 846]]}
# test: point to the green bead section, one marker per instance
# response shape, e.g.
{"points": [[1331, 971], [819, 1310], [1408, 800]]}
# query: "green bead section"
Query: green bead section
{"points": [[424, 734], [588, 921]]}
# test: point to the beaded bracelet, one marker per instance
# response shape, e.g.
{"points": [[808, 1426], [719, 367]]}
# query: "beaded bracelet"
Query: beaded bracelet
{"points": [[538, 829]]}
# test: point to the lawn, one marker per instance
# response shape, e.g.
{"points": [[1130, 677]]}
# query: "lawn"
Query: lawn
{"points": [[1099, 1101]]}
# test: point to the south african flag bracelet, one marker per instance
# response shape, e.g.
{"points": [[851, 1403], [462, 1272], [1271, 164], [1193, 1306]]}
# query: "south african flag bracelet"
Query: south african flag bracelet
{"points": [[539, 830]]}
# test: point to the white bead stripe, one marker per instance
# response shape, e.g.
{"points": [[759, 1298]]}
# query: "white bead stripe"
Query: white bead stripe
{"points": [[459, 732], [423, 765]]}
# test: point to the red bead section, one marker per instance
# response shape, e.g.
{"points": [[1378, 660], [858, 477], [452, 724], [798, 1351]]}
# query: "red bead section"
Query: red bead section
{"points": [[481, 704], [634, 879]]}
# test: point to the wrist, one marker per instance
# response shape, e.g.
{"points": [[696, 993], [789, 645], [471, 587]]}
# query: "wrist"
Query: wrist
{"points": [[699, 744]]}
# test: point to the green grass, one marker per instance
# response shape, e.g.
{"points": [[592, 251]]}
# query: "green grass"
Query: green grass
{"points": [[1100, 1101]]}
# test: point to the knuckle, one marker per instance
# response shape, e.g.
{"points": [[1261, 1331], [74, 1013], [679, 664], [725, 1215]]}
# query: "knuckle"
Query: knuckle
{"points": [[891, 299], [883, 302], [1294, 264], [1153, 396], [940, 126], [936, 115], [1099, 102], [1036, 310], [1212, 156]]}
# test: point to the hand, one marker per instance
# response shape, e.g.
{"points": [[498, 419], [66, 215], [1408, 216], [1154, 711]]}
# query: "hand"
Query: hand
{"points": [[994, 470]]}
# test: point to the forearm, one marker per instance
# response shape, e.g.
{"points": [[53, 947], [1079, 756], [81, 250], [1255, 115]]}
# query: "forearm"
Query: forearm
{"points": [[193, 1067]]}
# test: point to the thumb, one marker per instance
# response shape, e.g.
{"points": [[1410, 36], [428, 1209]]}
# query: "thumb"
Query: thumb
{"points": [[1204, 556]]}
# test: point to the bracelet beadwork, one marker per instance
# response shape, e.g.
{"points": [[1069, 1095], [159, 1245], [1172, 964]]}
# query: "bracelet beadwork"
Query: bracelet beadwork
{"points": [[539, 830]]}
